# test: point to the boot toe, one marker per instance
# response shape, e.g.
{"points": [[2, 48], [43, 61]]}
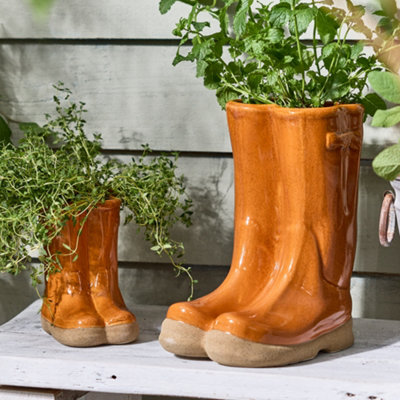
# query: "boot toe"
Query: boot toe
{"points": [[182, 332], [191, 313]]}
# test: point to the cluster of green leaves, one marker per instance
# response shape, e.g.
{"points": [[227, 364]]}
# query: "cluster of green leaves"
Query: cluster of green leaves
{"points": [[56, 173], [387, 40], [263, 57], [387, 163]]}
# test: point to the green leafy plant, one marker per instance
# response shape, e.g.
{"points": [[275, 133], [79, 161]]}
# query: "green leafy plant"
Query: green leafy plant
{"points": [[264, 59], [387, 40], [387, 163], [56, 173]]}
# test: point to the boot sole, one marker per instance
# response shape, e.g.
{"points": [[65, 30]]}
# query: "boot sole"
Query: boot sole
{"points": [[182, 339], [227, 349], [76, 337], [123, 333]]}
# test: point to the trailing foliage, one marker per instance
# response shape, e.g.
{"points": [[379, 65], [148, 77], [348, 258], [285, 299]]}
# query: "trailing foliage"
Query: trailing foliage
{"points": [[263, 57], [57, 173], [387, 163]]}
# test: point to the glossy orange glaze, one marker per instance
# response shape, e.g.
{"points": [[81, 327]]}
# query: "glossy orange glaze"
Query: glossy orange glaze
{"points": [[67, 301], [85, 293], [296, 182], [103, 224], [257, 231]]}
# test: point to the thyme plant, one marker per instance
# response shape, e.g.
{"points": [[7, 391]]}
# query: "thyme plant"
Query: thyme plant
{"points": [[56, 173], [265, 57]]}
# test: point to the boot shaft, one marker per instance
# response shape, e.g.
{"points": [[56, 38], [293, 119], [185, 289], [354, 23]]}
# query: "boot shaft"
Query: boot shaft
{"points": [[295, 170], [70, 248], [103, 224]]}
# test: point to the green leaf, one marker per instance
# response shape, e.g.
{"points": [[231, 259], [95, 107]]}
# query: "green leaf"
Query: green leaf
{"points": [[225, 94], [212, 76], [387, 163], [5, 132], [386, 84], [389, 7], [280, 14], [326, 25], [339, 86], [239, 21], [199, 26], [165, 5], [386, 118], [275, 35], [372, 102], [304, 16], [356, 50]]}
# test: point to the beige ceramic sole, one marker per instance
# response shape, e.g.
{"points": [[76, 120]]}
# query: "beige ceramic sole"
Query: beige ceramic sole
{"points": [[122, 334], [89, 337], [228, 349], [77, 337], [182, 339]]}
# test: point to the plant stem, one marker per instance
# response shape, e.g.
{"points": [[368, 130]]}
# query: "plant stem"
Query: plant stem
{"points": [[315, 43], [303, 78]]}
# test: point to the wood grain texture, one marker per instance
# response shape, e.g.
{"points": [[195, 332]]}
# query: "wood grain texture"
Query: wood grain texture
{"points": [[30, 357], [133, 93], [74, 19], [119, 19]]}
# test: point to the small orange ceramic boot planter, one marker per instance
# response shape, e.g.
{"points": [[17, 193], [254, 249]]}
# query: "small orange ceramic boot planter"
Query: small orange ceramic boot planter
{"points": [[305, 307], [68, 312], [103, 222], [257, 233]]}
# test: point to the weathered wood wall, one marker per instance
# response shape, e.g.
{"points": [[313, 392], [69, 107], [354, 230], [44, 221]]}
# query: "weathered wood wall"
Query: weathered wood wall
{"points": [[116, 56]]}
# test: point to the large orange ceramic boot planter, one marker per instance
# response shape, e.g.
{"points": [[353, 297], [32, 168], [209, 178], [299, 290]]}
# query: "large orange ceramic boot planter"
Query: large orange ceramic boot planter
{"points": [[257, 234], [305, 305], [68, 312], [103, 222]]}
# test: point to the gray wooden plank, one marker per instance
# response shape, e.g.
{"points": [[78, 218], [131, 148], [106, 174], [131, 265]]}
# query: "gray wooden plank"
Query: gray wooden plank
{"points": [[133, 93], [29, 356], [119, 19], [74, 19]]}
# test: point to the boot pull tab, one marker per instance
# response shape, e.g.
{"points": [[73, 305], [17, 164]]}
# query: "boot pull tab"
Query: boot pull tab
{"points": [[387, 220], [347, 140], [344, 142]]}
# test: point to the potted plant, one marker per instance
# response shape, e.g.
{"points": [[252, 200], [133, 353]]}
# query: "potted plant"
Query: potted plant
{"points": [[60, 197], [295, 116]]}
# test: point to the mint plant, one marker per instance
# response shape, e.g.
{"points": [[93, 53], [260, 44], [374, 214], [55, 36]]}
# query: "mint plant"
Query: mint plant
{"points": [[56, 173], [264, 59], [387, 163]]}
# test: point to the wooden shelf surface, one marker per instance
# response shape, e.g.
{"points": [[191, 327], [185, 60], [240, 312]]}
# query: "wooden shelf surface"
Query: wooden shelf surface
{"points": [[370, 370]]}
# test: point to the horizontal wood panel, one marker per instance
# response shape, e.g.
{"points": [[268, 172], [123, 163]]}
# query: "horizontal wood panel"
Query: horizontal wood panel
{"points": [[209, 240], [90, 19], [75, 19], [133, 93], [373, 297]]}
